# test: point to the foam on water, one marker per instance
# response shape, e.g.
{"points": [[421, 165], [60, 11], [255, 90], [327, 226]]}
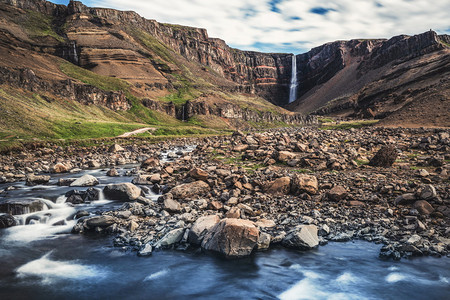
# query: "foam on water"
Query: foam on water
{"points": [[157, 275], [346, 278], [395, 277], [51, 270]]}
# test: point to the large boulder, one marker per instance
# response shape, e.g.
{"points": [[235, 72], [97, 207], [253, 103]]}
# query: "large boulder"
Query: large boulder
{"points": [[61, 168], [85, 180], [423, 207], [172, 205], [122, 191], [385, 157], [7, 220], [232, 238], [188, 190], [278, 186], [99, 221], [115, 148], [303, 237], [201, 227], [302, 183], [21, 206], [337, 193], [284, 156], [199, 174], [172, 237], [37, 179]]}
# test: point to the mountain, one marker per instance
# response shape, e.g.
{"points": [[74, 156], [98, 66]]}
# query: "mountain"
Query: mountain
{"points": [[65, 68]]}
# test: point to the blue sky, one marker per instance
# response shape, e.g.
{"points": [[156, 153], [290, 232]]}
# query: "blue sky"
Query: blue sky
{"points": [[293, 26]]}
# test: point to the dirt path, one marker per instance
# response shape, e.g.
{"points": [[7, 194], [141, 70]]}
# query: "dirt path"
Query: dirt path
{"points": [[141, 130]]}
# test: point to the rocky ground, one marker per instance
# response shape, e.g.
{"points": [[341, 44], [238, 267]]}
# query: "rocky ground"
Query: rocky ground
{"points": [[237, 194]]}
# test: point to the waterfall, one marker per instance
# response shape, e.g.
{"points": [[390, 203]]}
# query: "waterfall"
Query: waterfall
{"points": [[75, 54], [293, 86]]}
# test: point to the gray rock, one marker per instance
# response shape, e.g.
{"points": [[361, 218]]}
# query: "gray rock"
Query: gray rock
{"points": [[172, 237], [188, 190], [85, 180], [263, 241], [385, 157], [122, 191], [304, 237], [7, 220], [201, 227], [146, 250], [427, 192], [171, 205], [37, 179], [99, 221], [22, 206]]}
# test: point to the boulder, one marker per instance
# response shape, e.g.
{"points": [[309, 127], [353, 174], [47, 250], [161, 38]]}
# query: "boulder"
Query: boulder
{"points": [[302, 183], [122, 191], [385, 157], [37, 179], [337, 193], [61, 168], [201, 227], [303, 237], [427, 192], [284, 156], [146, 250], [188, 190], [151, 162], [279, 186], [423, 207], [232, 238], [99, 221], [21, 206], [142, 179], [85, 180], [171, 205], [7, 220], [115, 148], [263, 241], [233, 213], [172, 237], [198, 174], [112, 172], [405, 199]]}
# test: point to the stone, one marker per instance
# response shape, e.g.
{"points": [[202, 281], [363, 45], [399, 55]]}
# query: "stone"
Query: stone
{"points": [[413, 239], [115, 148], [423, 207], [37, 179], [264, 223], [155, 178], [423, 173], [133, 226], [385, 157], [232, 238], [172, 237], [188, 190], [302, 183], [146, 250], [151, 162], [405, 199], [61, 168], [198, 174], [263, 241], [171, 205], [279, 186], [112, 172], [99, 221], [65, 181], [304, 237], [215, 205], [142, 179], [85, 180], [284, 156], [21, 206], [7, 220], [75, 199], [122, 192], [81, 213], [94, 164], [201, 227], [427, 192], [337, 193], [233, 213]]}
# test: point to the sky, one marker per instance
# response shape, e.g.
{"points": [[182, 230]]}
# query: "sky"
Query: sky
{"points": [[292, 26]]}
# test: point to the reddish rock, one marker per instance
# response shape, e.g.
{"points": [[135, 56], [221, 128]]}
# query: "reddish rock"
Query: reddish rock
{"points": [[337, 193], [279, 186], [302, 183], [385, 157], [423, 207], [199, 174], [188, 190]]}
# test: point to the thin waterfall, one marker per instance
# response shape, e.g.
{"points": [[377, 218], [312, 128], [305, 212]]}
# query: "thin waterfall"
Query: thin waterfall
{"points": [[75, 54], [293, 86]]}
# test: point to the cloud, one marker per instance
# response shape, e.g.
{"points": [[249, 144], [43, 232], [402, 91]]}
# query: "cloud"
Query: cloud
{"points": [[294, 25]]}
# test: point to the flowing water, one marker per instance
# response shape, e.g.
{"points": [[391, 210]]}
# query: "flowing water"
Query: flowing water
{"points": [[43, 261], [294, 83]]}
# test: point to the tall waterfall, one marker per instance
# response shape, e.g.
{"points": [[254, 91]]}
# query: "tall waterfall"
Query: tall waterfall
{"points": [[75, 54], [293, 86]]}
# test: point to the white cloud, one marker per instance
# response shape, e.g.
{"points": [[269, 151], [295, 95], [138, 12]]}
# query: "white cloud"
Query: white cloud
{"points": [[252, 25]]}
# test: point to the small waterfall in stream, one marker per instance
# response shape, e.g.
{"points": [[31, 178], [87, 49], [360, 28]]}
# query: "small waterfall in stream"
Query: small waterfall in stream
{"points": [[293, 85]]}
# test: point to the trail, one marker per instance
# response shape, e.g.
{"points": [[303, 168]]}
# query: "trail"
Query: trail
{"points": [[141, 130]]}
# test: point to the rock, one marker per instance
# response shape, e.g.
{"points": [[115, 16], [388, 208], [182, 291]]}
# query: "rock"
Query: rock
{"points": [[94, 164], [142, 179], [171, 205], [304, 237], [172, 237], [66, 181], [337, 193], [279, 186], [263, 241], [233, 213], [423, 173], [284, 156], [155, 178], [151, 162], [37, 179], [21, 206], [85, 180], [115, 148], [385, 157], [99, 221], [302, 183], [199, 174], [264, 223], [61, 168], [7, 220], [413, 239], [427, 192], [124, 214], [81, 213], [232, 238], [215, 205], [201, 227], [75, 199], [405, 199], [146, 250], [122, 191], [355, 203], [423, 207], [188, 190], [112, 172]]}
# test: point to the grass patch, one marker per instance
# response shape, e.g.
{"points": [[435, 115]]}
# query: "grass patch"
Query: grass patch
{"points": [[39, 25], [325, 120], [153, 44], [105, 83], [349, 125]]}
